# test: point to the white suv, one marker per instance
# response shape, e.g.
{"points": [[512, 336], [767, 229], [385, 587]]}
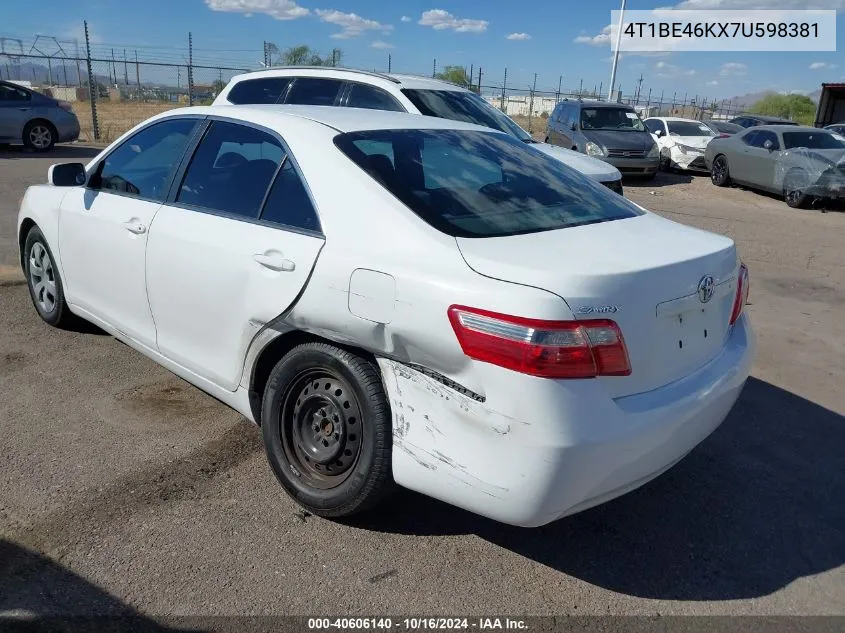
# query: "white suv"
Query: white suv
{"points": [[344, 87]]}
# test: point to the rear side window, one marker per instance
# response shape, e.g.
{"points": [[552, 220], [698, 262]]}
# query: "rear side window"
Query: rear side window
{"points": [[314, 91], [12, 93], [371, 98], [288, 202], [143, 165], [267, 90], [752, 138], [231, 170], [481, 184]]}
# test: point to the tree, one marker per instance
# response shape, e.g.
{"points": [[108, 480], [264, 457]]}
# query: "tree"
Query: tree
{"points": [[798, 108], [302, 56], [217, 86], [454, 74]]}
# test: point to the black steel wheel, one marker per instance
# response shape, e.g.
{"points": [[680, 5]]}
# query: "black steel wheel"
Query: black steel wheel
{"points": [[794, 187], [327, 429], [719, 174]]}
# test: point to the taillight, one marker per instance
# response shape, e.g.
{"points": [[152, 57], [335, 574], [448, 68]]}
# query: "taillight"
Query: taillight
{"points": [[741, 298], [548, 349]]}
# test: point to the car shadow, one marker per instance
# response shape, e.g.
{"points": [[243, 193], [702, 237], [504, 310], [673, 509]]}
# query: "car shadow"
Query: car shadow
{"points": [[661, 179], [757, 506], [59, 152]]}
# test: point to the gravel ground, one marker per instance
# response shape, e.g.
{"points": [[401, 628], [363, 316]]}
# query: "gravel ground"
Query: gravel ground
{"points": [[124, 489]]}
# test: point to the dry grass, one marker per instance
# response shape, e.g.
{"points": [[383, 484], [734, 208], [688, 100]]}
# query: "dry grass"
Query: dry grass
{"points": [[537, 128], [116, 118]]}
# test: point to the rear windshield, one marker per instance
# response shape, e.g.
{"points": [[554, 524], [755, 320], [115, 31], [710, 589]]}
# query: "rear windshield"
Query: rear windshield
{"points": [[464, 106], [610, 119], [481, 184], [688, 128], [811, 140]]}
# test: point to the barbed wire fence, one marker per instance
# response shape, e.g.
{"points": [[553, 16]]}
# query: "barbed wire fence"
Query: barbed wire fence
{"points": [[113, 88]]}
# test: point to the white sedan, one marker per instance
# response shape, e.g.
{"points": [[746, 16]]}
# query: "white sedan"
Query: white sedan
{"points": [[400, 299], [681, 141]]}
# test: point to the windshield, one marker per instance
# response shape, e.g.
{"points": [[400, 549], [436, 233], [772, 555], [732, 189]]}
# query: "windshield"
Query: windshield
{"points": [[481, 184], [811, 140], [464, 106], [688, 128], [611, 119]]}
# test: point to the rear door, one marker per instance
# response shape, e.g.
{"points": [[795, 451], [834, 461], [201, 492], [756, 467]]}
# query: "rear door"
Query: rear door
{"points": [[15, 111], [230, 251]]}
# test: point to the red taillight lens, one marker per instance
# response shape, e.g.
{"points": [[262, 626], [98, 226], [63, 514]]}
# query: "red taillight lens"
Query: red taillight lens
{"points": [[741, 298], [548, 349]]}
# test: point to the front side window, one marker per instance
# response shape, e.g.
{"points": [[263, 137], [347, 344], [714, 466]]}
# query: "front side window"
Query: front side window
{"points": [[144, 164], [481, 184], [263, 91], [611, 119], [765, 135], [231, 170], [812, 140], [11, 93], [457, 105], [688, 128], [371, 98], [314, 91]]}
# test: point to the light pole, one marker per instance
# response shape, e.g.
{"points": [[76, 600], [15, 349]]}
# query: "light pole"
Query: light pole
{"points": [[616, 53]]}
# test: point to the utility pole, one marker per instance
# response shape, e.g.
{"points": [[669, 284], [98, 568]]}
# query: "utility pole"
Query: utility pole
{"points": [[50, 71], [639, 87], [113, 67], [389, 63], [434, 68], [531, 102], [479, 80], [580, 89], [137, 74], [504, 84], [471, 74], [92, 85], [616, 52], [559, 84], [125, 69], [190, 68]]}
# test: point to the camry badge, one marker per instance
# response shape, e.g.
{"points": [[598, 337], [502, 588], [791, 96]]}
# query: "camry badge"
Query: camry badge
{"points": [[705, 288], [598, 309]]}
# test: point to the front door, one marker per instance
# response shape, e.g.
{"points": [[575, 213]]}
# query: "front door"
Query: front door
{"points": [[15, 111], [103, 228]]}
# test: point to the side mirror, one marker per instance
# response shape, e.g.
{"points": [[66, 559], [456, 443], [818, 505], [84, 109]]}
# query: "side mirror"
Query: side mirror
{"points": [[658, 132], [66, 175], [768, 145], [573, 127]]}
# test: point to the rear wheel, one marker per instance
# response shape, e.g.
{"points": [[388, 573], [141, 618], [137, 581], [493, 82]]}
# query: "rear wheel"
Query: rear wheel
{"points": [[794, 187], [43, 280], [719, 173], [39, 135], [327, 430]]}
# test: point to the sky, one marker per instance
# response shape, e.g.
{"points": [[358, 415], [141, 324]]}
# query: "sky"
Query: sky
{"points": [[552, 38]]}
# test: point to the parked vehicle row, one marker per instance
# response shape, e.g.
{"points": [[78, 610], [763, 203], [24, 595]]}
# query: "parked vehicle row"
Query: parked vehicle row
{"points": [[33, 119], [399, 299]]}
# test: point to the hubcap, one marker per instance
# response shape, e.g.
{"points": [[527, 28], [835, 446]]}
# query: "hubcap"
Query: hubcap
{"points": [[321, 428], [40, 136], [41, 278]]}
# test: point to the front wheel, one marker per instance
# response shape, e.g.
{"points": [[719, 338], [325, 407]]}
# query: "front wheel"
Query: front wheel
{"points": [[794, 187], [43, 280], [719, 174], [327, 430]]}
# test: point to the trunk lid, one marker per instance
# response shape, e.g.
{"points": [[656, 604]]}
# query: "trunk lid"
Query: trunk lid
{"points": [[644, 273]]}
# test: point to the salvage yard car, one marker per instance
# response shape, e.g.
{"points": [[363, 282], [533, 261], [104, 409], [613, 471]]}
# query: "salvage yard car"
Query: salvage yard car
{"points": [[348, 88], [398, 299], [800, 163], [681, 141]]}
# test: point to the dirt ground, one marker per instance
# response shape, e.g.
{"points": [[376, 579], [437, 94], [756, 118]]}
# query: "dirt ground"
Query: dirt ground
{"points": [[125, 490]]}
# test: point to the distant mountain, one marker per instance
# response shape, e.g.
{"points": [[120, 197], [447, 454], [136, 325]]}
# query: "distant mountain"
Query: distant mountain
{"points": [[40, 74]]}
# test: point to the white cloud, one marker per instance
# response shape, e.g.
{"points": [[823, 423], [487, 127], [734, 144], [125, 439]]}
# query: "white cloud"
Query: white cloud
{"points": [[822, 66], [77, 32], [667, 70], [380, 44], [838, 5], [440, 20], [602, 39], [405, 18], [733, 69], [712, 82], [351, 24], [519, 36], [279, 9]]}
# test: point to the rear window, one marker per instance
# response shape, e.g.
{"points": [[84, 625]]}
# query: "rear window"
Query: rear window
{"points": [[268, 90], [811, 140], [481, 184]]}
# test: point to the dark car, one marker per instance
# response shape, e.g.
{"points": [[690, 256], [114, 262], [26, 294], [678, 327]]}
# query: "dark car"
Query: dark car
{"points": [[753, 120], [724, 128], [37, 121], [610, 131], [836, 128]]}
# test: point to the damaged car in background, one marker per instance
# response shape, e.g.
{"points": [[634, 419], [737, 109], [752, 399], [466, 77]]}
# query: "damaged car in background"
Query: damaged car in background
{"points": [[803, 164], [398, 299], [681, 142]]}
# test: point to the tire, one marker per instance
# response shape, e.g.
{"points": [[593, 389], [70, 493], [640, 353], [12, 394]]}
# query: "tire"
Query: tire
{"points": [[719, 172], [794, 183], [327, 430], [665, 164], [43, 280], [39, 135], [650, 177]]}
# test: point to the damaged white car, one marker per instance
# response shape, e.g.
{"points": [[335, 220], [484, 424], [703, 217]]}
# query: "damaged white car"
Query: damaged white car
{"points": [[400, 299], [681, 142]]}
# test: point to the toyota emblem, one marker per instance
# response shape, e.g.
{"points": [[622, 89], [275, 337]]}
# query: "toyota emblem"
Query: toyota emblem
{"points": [[705, 288]]}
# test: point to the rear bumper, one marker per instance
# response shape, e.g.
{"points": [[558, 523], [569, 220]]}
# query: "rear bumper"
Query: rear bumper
{"points": [[67, 129], [571, 446]]}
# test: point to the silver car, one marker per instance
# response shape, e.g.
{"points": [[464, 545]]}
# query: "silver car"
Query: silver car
{"points": [[37, 121], [800, 163]]}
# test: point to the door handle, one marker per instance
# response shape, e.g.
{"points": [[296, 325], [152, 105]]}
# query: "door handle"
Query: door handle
{"points": [[133, 226], [275, 262]]}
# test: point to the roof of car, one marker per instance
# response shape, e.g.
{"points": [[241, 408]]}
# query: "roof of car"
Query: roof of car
{"points": [[761, 117], [400, 80], [675, 118], [340, 119], [786, 129], [600, 104]]}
